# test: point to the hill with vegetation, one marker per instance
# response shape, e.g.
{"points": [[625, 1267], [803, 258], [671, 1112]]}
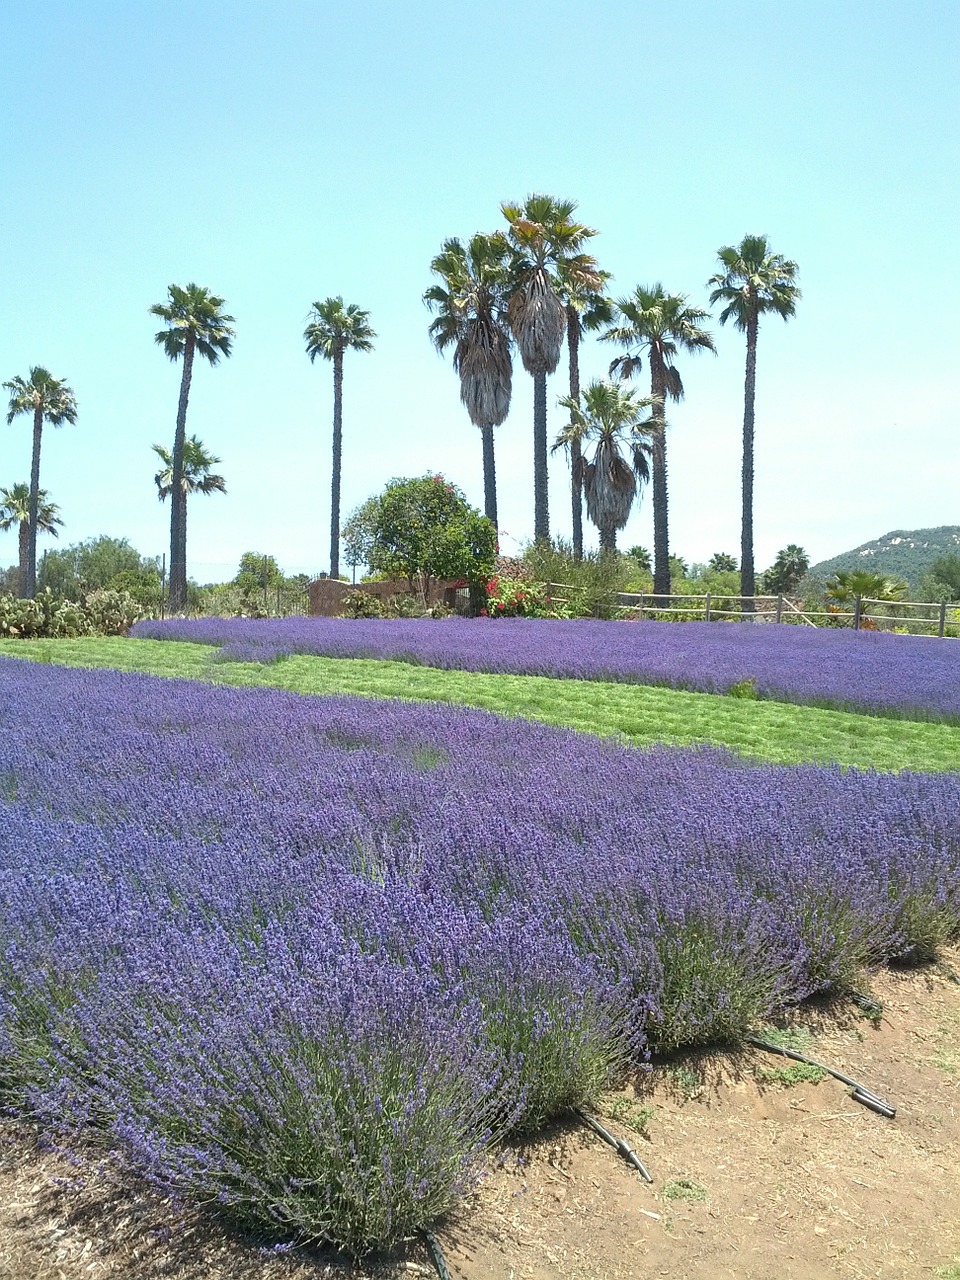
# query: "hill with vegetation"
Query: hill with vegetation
{"points": [[904, 553]]}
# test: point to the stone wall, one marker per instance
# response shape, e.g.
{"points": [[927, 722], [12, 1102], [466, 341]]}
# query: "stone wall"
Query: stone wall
{"points": [[326, 594]]}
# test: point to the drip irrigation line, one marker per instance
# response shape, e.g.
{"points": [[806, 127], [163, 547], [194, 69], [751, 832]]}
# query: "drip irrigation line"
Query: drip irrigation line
{"points": [[436, 1254], [866, 1003], [860, 1092], [618, 1144]]}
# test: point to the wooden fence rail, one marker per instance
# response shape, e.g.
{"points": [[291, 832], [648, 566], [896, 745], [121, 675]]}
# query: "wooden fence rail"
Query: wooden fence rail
{"points": [[866, 614]]}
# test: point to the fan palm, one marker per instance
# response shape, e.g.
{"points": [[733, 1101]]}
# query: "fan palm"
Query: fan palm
{"points": [[332, 330], [611, 417], [752, 281], [587, 308], [48, 399], [196, 324], [471, 316], [543, 235], [660, 325], [15, 510]]}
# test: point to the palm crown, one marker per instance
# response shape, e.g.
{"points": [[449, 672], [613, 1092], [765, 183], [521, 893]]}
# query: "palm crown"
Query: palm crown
{"points": [[194, 316], [611, 416], [543, 235], [197, 477], [471, 316], [663, 324], [42, 392], [15, 509], [752, 281], [336, 328]]}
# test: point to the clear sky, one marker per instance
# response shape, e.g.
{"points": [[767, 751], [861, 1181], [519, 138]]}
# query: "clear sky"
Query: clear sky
{"points": [[282, 153]]}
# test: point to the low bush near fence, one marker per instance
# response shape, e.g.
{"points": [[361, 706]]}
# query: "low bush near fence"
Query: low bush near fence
{"points": [[306, 959], [879, 673]]}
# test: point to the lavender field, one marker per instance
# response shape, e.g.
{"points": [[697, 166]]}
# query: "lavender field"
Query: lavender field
{"points": [[881, 673], [307, 959]]}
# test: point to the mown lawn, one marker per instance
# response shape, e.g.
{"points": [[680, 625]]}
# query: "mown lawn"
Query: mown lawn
{"points": [[642, 715]]}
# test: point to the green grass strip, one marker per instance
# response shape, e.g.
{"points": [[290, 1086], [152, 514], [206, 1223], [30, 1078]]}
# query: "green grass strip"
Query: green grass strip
{"points": [[642, 715]]}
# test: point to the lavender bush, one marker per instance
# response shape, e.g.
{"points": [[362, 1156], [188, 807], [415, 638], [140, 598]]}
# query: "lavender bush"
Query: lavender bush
{"points": [[868, 671], [306, 958]]}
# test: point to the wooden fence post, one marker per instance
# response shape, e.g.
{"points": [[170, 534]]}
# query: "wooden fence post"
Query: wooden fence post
{"points": [[780, 606], [708, 606], [943, 619], [857, 604]]}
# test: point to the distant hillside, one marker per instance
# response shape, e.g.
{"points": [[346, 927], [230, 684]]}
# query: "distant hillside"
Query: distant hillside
{"points": [[904, 553]]}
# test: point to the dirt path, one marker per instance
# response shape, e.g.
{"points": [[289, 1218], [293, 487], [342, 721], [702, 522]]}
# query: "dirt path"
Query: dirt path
{"points": [[754, 1178]]}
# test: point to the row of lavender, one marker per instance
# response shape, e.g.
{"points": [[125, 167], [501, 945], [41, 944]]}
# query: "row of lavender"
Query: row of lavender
{"points": [[868, 671], [308, 958]]}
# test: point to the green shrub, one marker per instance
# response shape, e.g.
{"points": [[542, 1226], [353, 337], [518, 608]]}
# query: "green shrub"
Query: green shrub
{"points": [[361, 604]]}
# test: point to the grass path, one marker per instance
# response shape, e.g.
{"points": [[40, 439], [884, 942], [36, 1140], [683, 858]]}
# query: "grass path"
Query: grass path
{"points": [[641, 714]]}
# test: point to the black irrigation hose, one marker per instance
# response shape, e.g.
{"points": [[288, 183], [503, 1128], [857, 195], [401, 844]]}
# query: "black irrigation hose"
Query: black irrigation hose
{"points": [[860, 1093], [866, 1003], [436, 1254], [618, 1144]]}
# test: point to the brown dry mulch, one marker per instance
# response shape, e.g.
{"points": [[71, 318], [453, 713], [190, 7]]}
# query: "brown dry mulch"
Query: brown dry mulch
{"points": [[753, 1178]]}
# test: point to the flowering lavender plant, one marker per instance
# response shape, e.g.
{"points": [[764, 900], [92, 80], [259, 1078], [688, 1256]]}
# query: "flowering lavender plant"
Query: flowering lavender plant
{"points": [[305, 959], [868, 671]]}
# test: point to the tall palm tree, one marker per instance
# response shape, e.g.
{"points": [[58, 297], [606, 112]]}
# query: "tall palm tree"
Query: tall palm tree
{"points": [[543, 234], [613, 418], [196, 474], [660, 325], [48, 399], [471, 307], [587, 308], [15, 510], [195, 324], [752, 282], [332, 330]]}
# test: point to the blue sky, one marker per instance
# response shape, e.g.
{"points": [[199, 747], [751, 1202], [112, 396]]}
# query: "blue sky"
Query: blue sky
{"points": [[286, 153]]}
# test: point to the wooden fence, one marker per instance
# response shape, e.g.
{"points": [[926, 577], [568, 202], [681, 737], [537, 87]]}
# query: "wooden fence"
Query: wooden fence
{"points": [[915, 617]]}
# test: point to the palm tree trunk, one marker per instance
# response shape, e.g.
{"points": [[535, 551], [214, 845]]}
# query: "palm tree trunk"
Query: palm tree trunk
{"points": [[661, 546], [608, 539], [337, 462], [489, 477], [747, 584], [178, 524], [24, 556], [28, 586], [576, 485], [541, 513]]}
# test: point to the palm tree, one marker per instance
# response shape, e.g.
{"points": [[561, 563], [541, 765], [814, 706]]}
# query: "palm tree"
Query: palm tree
{"points": [[609, 413], [50, 400], [196, 476], [542, 234], [471, 315], [15, 510], [334, 329], [784, 575], [195, 324], [587, 308], [661, 325], [752, 281]]}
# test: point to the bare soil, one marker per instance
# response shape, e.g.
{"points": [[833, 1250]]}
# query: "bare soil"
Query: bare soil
{"points": [[754, 1177]]}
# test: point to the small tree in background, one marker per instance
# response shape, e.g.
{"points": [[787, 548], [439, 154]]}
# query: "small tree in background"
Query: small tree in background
{"points": [[785, 574], [942, 582], [423, 530], [97, 564], [722, 563], [15, 510]]}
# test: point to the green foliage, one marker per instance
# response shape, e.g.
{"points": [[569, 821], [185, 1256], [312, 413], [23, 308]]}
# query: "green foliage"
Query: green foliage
{"points": [[786, 573], [588, 587], [944, 576], [104, 613], [258, 573], [100, 563], [361, 604], [642, 557], [628, 1111], [721, 562], [516, 598], [848, 584], [683, 1189], [423, 529]]}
